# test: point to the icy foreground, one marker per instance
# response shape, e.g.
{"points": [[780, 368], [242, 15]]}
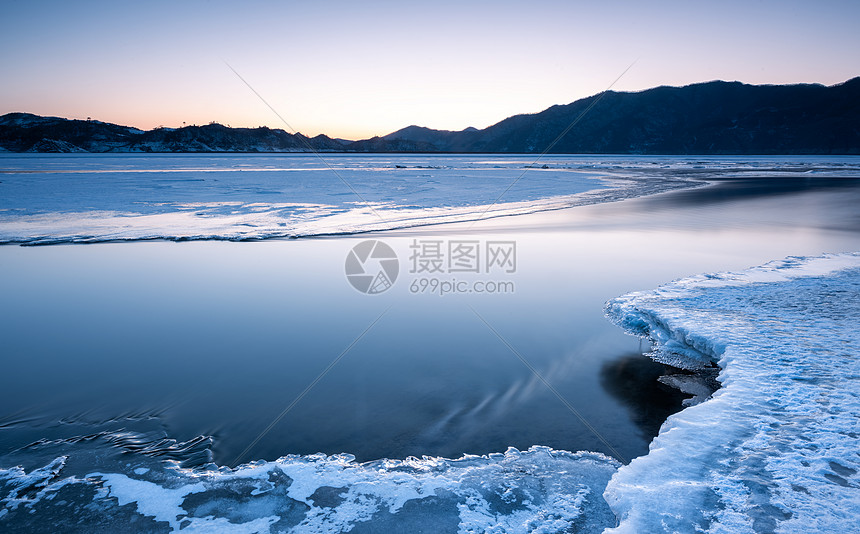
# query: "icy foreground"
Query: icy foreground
{"points": [[774, 450], [777, 448], [537, 491]]}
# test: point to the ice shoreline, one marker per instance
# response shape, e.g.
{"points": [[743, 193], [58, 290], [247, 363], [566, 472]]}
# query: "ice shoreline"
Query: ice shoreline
{"points": [[58, 200], [262, 223], [774, 449], [535, 491]]}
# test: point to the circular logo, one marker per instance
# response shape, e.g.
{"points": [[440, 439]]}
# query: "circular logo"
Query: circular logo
{"points": [[372, 267]]}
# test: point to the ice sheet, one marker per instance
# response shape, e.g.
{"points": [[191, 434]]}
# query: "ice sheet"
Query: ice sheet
{"points": [[536, 491], [97, 197], [775, 449]]}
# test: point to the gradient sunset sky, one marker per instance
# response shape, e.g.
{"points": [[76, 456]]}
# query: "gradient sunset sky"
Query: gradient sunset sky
{"points": [[358, 69]]}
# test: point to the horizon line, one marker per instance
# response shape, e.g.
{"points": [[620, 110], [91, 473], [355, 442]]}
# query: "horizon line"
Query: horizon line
{"points": [[413, 125]]}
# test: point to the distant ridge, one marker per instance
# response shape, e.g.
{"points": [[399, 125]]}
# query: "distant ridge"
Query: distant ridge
{"points": [[705, 118], [24, 132]]}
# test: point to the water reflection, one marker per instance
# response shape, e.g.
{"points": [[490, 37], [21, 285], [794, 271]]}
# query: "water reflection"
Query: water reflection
{"points": [[734, 189], [216, 339], [633, 380]]}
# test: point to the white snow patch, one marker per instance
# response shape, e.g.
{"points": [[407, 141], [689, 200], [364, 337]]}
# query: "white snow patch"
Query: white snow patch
{"points": [[775, 449]]}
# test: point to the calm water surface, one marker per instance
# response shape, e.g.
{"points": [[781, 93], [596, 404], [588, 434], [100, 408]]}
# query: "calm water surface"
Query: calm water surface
{"points": [[209, 343]]}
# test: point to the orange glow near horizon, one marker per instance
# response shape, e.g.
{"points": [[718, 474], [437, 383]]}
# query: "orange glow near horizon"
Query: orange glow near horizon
{"points": [[353, 71]]}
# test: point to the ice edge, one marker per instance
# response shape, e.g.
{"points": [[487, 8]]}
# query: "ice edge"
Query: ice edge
{"points": [[728, 465]]}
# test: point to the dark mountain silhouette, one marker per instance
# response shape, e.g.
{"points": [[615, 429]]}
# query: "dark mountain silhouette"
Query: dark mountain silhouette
{"points": [[706, 118], [23, 132]]}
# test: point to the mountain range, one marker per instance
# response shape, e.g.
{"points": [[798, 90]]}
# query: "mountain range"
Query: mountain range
{"points": [[705, 118]]}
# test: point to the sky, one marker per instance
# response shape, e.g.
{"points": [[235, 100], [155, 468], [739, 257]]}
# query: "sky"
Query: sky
{"points": [[358, 69]]}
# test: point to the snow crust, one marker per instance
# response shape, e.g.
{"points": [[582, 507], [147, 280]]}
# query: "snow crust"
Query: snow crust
{"points": [[776, 448], [55, 198], [537, 491]]}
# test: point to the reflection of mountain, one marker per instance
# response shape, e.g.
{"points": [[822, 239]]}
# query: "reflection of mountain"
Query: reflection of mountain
{"points": [[633, 381], [749, 187], [705, 118]]}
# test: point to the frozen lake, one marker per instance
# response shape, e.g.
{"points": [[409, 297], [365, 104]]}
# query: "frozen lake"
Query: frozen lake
{"points": [[56, 198], [119, 355]]}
